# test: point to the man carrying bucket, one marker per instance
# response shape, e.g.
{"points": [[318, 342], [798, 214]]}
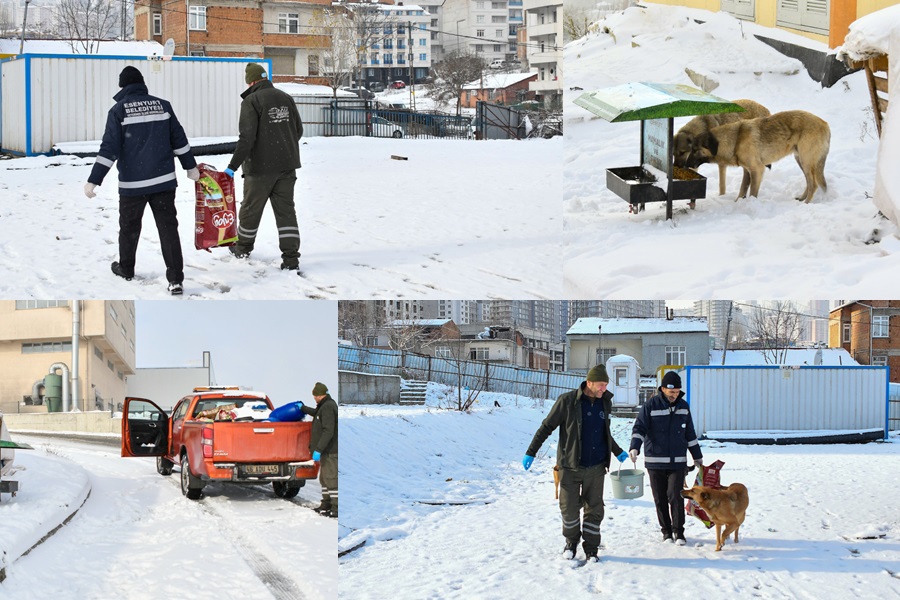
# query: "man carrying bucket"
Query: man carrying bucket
{"points": [[665, 428], [585, 445]]}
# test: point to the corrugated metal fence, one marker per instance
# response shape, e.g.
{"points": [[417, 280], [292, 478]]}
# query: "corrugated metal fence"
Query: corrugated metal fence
{"points": [[483, 375], [46, 99], [771, 398]]}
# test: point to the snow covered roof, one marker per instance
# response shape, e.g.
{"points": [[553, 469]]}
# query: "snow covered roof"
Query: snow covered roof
{"points": [[497, 81], [111, 48], [306, 89], [420, 322], [590, 325], [831, 357], [870, 35]]}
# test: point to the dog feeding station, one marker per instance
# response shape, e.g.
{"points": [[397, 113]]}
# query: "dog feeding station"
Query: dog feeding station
{"points": [[655, 105]]}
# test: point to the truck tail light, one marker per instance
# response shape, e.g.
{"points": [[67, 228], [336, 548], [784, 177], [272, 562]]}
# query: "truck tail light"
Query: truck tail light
{"points": [[207, 442]]}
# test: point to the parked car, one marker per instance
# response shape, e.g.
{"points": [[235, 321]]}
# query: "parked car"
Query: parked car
{"points": [[360, 91], [376, 86], [210, 444], [497, 63], [398, 85], [381, 127]]}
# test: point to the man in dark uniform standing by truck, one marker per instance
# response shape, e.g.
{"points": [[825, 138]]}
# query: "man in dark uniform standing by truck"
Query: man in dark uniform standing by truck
{"points": [[323, 442]]}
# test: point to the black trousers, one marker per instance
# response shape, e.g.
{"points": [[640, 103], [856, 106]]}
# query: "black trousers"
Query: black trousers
{"points": [[666, 487], [131, 213]]}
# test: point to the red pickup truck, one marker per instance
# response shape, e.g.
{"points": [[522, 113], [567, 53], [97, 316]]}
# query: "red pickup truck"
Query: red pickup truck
{"points": [[210, 449]]}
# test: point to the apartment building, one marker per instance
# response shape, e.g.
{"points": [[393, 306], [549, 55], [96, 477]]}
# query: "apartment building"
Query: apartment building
{"points": [[477, 27], [89, 343], [402, 49], [544, 28], [870, 331]]}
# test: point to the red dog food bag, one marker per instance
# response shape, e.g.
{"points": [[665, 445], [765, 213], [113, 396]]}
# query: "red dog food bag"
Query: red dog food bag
{"points": [[707, 475], [215, 212]]}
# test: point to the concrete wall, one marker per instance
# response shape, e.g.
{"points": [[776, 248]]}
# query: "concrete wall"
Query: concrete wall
{"points": [[363, 388], [82, 422]]}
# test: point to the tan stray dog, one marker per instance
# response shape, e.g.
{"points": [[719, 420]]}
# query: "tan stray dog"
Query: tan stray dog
{"points": [[556, 480], [759, 142], [685, 141], [725, 507]]}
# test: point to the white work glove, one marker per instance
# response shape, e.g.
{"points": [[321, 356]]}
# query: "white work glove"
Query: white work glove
{"points": [[193, 174], [633, 454], [89, 190]]}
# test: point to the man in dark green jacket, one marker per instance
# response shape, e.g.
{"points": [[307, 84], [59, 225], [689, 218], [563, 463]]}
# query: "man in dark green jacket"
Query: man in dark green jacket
{"points": [[268, 149], [585, 445], [323, 442]]}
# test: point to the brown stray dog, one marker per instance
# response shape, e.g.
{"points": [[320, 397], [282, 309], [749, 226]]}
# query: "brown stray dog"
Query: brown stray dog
{"points": [[556, 480], [725, 507]]}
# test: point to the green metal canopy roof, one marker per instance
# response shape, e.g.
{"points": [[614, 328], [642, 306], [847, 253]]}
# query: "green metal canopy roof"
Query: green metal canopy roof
{"points": [[636, 101]]}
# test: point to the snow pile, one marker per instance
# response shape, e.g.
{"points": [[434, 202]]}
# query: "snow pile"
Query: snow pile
{"points": [[807, 533]]}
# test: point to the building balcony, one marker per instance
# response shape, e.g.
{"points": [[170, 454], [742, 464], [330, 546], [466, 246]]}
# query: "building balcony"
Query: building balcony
{"points": [[537, 30]]}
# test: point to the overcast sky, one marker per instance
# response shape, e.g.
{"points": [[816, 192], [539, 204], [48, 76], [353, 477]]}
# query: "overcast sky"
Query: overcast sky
{"points": [[281, 348]]}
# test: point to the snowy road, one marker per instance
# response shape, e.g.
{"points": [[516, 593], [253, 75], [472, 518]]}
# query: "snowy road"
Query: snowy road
{"points": [[137, 535]]}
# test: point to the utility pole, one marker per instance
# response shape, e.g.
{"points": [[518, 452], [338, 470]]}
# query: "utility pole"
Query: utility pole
{"points": [[122, 19], [727, 329], [24, 23], [412, 78]]}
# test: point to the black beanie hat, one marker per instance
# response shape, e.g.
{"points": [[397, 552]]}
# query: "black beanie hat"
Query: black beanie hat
{"points": [[671, 380], [130, 75]]}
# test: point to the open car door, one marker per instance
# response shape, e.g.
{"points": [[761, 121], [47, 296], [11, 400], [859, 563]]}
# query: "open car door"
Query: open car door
{"points": [[145, 428]]}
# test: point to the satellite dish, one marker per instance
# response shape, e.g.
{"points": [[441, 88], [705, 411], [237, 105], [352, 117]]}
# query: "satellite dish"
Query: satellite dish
{"points": [[169, 47]]}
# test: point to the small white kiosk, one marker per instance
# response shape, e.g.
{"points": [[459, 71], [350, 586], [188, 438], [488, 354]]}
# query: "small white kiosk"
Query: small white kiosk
{"points": [[624, 380]]}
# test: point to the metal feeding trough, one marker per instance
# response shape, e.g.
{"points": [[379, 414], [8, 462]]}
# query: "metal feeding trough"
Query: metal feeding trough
{"points": [[655, 105]]}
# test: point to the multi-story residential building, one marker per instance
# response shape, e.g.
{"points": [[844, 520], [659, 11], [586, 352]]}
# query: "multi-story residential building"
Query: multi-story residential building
{"points": [[818, 327], [717, 314], [402, 49], [868, 329], [616, 308], [286, 32], [476, 27], [544, 25], [91, 342]]}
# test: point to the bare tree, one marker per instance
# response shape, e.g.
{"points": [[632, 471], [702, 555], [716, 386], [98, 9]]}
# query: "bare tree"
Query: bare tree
{"points": [[777, 328], [406, 335], [86, 22], [453, 73], [358, 320]]}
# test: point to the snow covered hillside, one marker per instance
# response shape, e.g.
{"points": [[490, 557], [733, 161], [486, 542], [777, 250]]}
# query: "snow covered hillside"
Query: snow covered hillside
{"points": [[723, 248]]}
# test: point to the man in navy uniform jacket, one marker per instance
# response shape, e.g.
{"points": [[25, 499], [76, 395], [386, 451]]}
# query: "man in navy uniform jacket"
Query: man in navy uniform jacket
{"points": [[143, 136]]}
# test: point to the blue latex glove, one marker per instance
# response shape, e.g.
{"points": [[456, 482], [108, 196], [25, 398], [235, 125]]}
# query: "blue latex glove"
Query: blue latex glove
{"points": [[526, 462], [230, 173], [622, 456], [317, 457]]}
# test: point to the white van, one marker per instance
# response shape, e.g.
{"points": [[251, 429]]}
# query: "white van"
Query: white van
{"points": [[497, 63]]}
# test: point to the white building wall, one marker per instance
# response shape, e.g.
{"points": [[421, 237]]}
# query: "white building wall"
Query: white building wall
{"points": [[544, 22]]}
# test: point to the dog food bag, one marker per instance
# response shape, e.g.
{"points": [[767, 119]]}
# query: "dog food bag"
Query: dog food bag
{"points": [[215, 213], [709, 476]]}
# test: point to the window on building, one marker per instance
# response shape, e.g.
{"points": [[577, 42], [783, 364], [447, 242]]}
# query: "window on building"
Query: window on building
{"points": [[157, 24], [422, 27], [113, 313], [479, 353], [198, 53], [46, 347], [845, 338], [479, 5], [479, 33], [197, 19], [30, 304], [401, 59], [498, 19], [498, 5], [110, 365], [621, 376], [120, 375], [288, 23], [499, 33], [423, 42], [479, 48], [388, 30], [880, 327], [434, 22], [401, 43], [98, 353], [498, 48], [443, 352], [388, 59], [604, 354], [880, 360], [513, 48], [371, 340], [124, 334], [676, 355], [401, 30], [312, 64], [423, 57], [479, 19], [388, 44]]}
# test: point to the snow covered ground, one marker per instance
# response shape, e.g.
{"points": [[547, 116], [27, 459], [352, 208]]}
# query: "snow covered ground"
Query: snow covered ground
{"points": [[459, 219], [822, 521], [136, 535], [723, 248]]}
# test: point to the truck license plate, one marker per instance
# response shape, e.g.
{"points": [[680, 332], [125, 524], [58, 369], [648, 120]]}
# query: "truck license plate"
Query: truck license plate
{"points": [[261, 469]]}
